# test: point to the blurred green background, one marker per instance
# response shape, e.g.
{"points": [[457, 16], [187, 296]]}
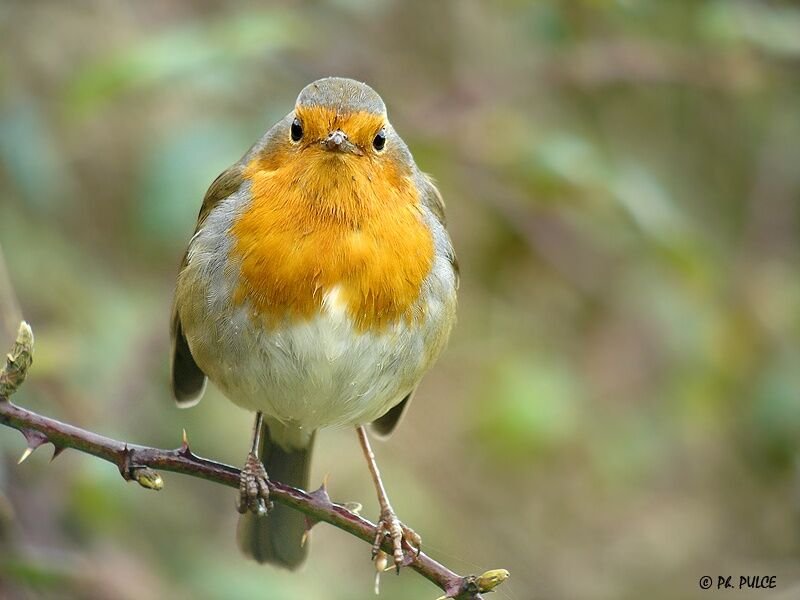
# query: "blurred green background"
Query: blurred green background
{"points": [[617, 413]]}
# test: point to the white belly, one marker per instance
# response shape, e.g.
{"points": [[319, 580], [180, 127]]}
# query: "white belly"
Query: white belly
{"points": [[316, 373]]}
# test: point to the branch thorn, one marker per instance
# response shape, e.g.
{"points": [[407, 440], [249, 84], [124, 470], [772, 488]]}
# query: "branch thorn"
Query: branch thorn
{"points": [[25, 455], [184, 449], [57, 450], [34, 439], [321, 493], [124, 463], [310, 522]]}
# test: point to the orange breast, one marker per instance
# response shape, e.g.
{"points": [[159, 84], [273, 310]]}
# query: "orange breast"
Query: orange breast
{"points": [[320, 219]]}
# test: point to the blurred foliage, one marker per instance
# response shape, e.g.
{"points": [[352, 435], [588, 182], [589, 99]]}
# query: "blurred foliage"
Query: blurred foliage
{"points": [[618, 411]]}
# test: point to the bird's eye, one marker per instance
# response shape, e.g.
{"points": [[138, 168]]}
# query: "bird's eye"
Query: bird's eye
{"points": [[380, 140], [297, 130]]}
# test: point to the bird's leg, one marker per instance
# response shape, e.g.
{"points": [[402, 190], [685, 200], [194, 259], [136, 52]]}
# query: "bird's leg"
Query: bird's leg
{"points": [[253, 488], [388, 525]]}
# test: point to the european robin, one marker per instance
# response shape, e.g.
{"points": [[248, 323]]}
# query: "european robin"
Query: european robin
{"points": [[318, 288]]}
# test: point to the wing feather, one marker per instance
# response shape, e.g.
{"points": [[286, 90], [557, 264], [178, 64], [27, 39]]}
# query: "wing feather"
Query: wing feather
{"points": [[186, 377]]}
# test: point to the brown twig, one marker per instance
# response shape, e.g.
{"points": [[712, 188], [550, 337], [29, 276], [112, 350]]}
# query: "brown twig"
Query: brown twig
{"points": [[137, 463]]}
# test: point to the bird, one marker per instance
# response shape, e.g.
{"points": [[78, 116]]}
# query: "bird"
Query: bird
{"points": [[317, 290]]}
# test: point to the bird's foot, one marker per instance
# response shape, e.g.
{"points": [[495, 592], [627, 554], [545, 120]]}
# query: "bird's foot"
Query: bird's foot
{"points": [[253, 488], [390, 526]]}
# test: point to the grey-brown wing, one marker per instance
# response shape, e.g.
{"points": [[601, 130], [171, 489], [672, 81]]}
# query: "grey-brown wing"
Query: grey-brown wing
{"points": [[186, 377], [432, 198], [383, 426]]}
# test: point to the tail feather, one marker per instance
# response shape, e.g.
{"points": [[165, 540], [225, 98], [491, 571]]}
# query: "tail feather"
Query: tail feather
{"points": [[275, 538]]}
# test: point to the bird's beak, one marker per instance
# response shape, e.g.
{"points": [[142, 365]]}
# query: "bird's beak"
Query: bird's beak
{"points": [[337, 141]]}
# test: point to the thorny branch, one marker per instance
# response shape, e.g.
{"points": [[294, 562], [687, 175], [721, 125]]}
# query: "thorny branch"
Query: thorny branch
{"points": [[138, 463]]}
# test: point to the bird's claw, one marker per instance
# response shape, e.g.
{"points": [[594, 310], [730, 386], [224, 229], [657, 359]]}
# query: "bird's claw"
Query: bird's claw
{"points": [[390, 526], [253, 488]]}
